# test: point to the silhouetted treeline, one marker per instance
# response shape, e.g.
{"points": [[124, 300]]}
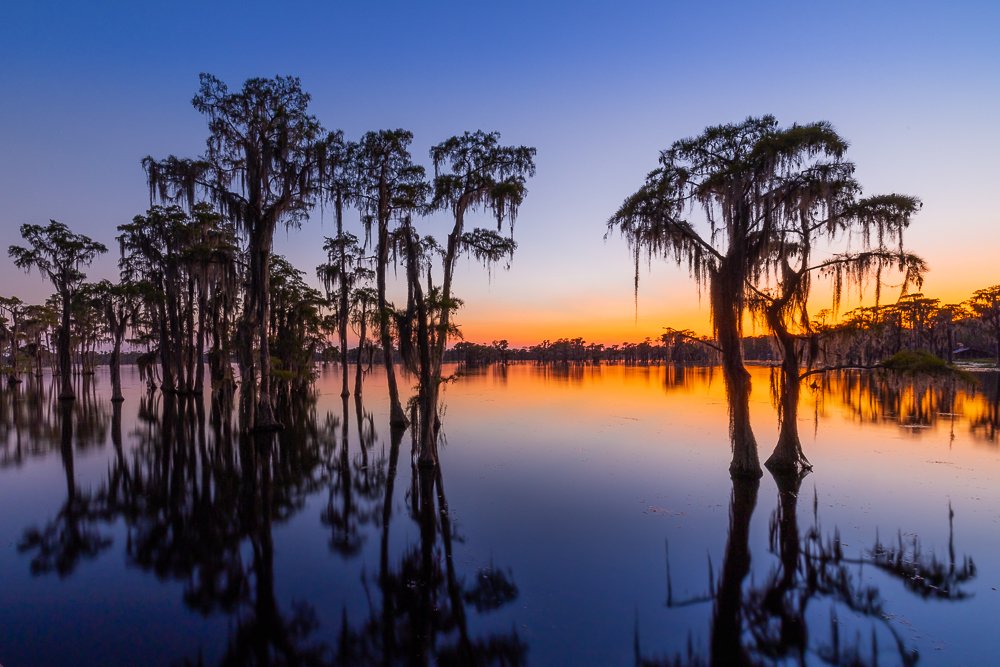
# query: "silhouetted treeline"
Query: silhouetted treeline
{"points": [[199, 280], [579, 351]]}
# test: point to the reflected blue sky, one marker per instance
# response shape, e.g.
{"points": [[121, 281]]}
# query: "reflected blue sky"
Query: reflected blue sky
{"points": [[573, 482]]}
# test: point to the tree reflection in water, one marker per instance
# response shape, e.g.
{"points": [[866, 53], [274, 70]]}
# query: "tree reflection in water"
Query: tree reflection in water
{"points": [[32, 420], [356, 484], [767, 622], [74, 534], [985, 418], [916, 401], [199, 501], [199, 498], [423, 614]]}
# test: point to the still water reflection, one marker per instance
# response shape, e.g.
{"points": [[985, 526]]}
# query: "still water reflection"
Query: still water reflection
{"points": [[580, 515]]}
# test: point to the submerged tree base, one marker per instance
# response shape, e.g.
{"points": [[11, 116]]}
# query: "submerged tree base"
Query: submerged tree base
{"points": [[788, 463], [745, 463], [264, 420], [788, 457], [398, 420]]}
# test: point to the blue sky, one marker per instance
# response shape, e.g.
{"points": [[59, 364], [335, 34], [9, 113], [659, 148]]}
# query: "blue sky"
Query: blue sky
{"points": [[597, 87]]}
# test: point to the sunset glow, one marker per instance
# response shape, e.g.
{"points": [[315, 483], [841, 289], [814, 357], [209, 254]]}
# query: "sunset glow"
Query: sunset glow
{"points": [[598, 94]]}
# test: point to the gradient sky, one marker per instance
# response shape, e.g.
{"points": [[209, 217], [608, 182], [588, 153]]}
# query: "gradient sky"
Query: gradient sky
{"points": [[598, 88]]}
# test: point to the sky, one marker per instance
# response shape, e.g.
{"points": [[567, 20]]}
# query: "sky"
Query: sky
{"points": [[599, 88]]}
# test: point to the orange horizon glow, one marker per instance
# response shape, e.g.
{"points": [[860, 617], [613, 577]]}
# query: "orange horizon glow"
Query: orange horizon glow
{"points": [[613, 322]]}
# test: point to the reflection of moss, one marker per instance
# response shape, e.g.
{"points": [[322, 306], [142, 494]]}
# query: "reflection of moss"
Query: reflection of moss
{"points": [[922, 361]]}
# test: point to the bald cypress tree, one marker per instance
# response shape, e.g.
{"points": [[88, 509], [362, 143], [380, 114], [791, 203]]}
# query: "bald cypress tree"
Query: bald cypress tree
{"points": [[822, 209], [12, 315], [472, 172], [60, 255], [261, 168], [337, 274], [713, 205], [119, 304], [985, 303], [388, 188]]}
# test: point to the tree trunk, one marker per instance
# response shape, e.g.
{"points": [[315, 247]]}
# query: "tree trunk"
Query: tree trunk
{"points": [[116, 367], [199, 380], [397, 417], [167, 381], [450, 257], [244, 347], [215, 370], [65, 356], [13, 348], [726, 315], [428, 387], [260, 286], [38, 356], [361, 346], [951, 340], [189, 344], [174, 340], [342, 315], [787, 456]]}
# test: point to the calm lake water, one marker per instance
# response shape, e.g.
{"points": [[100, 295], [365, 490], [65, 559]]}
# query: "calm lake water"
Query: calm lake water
{"points": [[582, 516]]}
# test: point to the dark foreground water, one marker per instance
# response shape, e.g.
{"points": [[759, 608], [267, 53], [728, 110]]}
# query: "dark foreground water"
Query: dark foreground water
{"points": [[581, 516]]}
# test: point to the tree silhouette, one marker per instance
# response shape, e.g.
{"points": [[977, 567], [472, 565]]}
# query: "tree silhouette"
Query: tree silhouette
{"points": [[342, 251], [343, 274], [471, 172], [119, 304], [823, 204], [363, 304], [210, 259], [740, 178], [59, 254], [261, 168], [296, 327], [152, 246], [985, 303], [12, 317], [388, 187], [40, 321]]}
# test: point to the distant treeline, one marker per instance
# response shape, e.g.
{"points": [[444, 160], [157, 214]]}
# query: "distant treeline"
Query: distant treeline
{"points": [[863, 337]]}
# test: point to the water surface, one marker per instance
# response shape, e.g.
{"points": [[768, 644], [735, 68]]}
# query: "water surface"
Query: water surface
{"points": [[581, 515]]}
